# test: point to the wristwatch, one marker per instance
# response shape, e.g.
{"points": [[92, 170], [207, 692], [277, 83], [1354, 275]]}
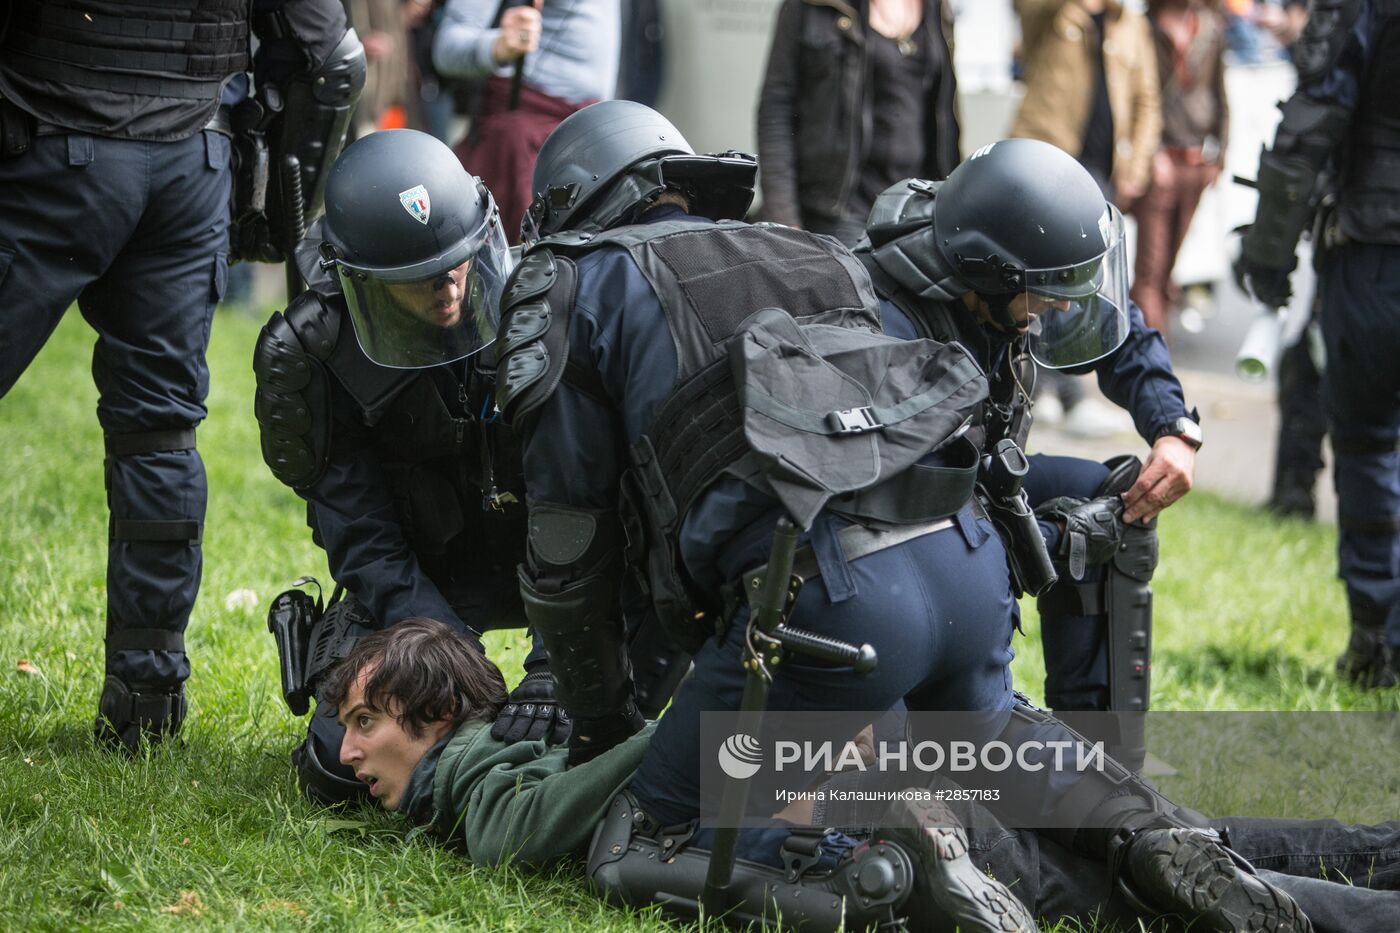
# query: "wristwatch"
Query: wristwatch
{"points": [[1185, 428]]}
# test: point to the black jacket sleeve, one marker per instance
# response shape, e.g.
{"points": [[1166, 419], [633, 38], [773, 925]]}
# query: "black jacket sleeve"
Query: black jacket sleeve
{"points": [[365, 544], [777, 119]]}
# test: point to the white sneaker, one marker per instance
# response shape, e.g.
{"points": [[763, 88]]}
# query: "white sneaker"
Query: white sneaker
{"points": [[1048, 410], [1092, 419]]}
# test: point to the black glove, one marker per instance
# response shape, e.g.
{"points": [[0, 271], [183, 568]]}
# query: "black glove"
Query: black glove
{"points": [[532, 713], [1268, 285], [595, 736], [1093, 529]]}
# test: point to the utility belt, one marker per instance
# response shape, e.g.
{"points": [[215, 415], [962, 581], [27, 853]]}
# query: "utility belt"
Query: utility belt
{"points": [[856, 541], [220, 121]]}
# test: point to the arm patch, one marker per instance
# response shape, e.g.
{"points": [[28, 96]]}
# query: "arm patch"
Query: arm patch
{"points": [[292, 400], [532, 349]]}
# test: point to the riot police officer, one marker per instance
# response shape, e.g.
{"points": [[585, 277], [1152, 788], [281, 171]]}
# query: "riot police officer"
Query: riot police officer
{"points": [[1344, 120], [115, 175], [376, 405], [1018, 257]]}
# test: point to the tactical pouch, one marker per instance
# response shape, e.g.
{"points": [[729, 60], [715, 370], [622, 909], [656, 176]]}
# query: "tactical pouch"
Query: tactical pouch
{"points": [[16, 130]]}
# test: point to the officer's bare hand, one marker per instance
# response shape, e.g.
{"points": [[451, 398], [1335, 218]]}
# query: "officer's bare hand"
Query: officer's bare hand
{"points": [[1165, 478], [520, 33]]}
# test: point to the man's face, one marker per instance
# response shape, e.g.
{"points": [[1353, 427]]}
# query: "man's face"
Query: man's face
{"points": [[436, 301], [379, 748]]}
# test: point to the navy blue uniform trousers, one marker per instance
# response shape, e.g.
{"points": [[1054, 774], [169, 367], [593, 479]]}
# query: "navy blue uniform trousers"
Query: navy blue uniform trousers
{"points": [[937, 610], [1361, 385], [136, 232]]}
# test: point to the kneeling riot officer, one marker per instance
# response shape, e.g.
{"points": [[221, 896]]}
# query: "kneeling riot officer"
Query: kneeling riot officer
{"points": [[116, 160], [1017, 257], [375, 405]]}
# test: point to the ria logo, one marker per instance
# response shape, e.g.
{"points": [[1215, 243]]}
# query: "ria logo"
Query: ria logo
{"points": [[740, 756]]}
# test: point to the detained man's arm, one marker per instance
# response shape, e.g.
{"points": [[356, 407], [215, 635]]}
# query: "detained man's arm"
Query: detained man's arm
{"points": [[534, 811]]}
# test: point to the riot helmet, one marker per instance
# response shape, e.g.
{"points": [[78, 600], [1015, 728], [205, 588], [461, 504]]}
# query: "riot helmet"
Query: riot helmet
{"points": [[1025, 226], [417, 246], [602, 166]]}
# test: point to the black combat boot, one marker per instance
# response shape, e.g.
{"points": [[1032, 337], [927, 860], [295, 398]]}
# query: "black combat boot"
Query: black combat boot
{"points": [[1191, 875], [1292, 496], [1368, 661], [972, 899], [127, 713]]}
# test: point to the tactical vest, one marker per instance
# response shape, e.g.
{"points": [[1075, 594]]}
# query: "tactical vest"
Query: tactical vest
{"points": [[448, 473], [709, 280], [124, 59], [1369, 208]]}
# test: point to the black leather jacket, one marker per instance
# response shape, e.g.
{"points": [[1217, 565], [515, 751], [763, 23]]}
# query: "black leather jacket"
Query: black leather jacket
{"points": [[814, 114]]}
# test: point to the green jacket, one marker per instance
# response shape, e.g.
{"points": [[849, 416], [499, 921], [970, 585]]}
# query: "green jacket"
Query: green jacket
{"points": [[517, 803]]}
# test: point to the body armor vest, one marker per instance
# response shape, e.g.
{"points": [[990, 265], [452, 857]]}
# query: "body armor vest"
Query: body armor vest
{"points": [[709, 279], [455, 480], [1369, 209], [116, 61]]}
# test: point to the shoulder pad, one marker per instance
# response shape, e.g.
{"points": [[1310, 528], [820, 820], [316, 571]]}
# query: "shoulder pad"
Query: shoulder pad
{"points": [[316, 321], [532, 347], [1325, 36], [292, 399]]}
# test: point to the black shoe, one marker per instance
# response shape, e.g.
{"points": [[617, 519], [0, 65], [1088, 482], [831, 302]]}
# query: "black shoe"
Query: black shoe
{"points": [[1368, 662], [972, 899], [1292, 496], [127, 714], [1192, 876]]}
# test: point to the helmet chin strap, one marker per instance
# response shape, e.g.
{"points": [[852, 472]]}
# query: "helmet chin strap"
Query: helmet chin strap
{"points": [[1000, 306]]}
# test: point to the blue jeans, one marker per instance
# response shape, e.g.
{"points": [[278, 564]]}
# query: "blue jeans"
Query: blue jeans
{"points": [[1293, 855]]}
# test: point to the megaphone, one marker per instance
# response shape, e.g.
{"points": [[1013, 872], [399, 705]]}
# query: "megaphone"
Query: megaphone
{"points": [[1259, 351]]}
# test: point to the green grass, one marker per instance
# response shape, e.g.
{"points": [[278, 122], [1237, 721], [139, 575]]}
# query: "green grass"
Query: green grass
{"points": [[214, 833]]}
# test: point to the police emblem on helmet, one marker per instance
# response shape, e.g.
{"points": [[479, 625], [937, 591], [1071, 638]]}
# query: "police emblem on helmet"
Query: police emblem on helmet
{"points": [[415, 201]]}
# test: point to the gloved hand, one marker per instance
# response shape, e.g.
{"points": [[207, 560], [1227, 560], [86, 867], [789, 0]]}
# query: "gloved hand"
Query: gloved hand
{"points": [[1268, 285], [532, 713], [1093, 529], [594, 736]]}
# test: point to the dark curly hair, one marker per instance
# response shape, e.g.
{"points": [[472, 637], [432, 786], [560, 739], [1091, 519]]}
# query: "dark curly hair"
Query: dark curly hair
{"points": [[422, 672]]}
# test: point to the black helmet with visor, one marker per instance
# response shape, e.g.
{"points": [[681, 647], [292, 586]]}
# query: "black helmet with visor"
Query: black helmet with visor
{"points": [[417, 246], [1024, 225]]}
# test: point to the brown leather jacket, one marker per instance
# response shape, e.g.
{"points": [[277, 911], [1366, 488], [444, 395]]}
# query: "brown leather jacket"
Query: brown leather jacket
{"points": [[1058, 42]]}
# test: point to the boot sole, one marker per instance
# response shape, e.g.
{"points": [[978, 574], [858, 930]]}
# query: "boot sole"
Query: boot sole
{"points": [[1203, 884], [977, 902]]}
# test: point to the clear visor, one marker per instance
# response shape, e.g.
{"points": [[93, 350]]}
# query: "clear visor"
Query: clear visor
{"points": [[1078, 314], [412, 323]]}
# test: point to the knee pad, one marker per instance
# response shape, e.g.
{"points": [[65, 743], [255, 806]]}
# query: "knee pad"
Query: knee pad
{"points": [[632, 863], [1103, 806]]}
